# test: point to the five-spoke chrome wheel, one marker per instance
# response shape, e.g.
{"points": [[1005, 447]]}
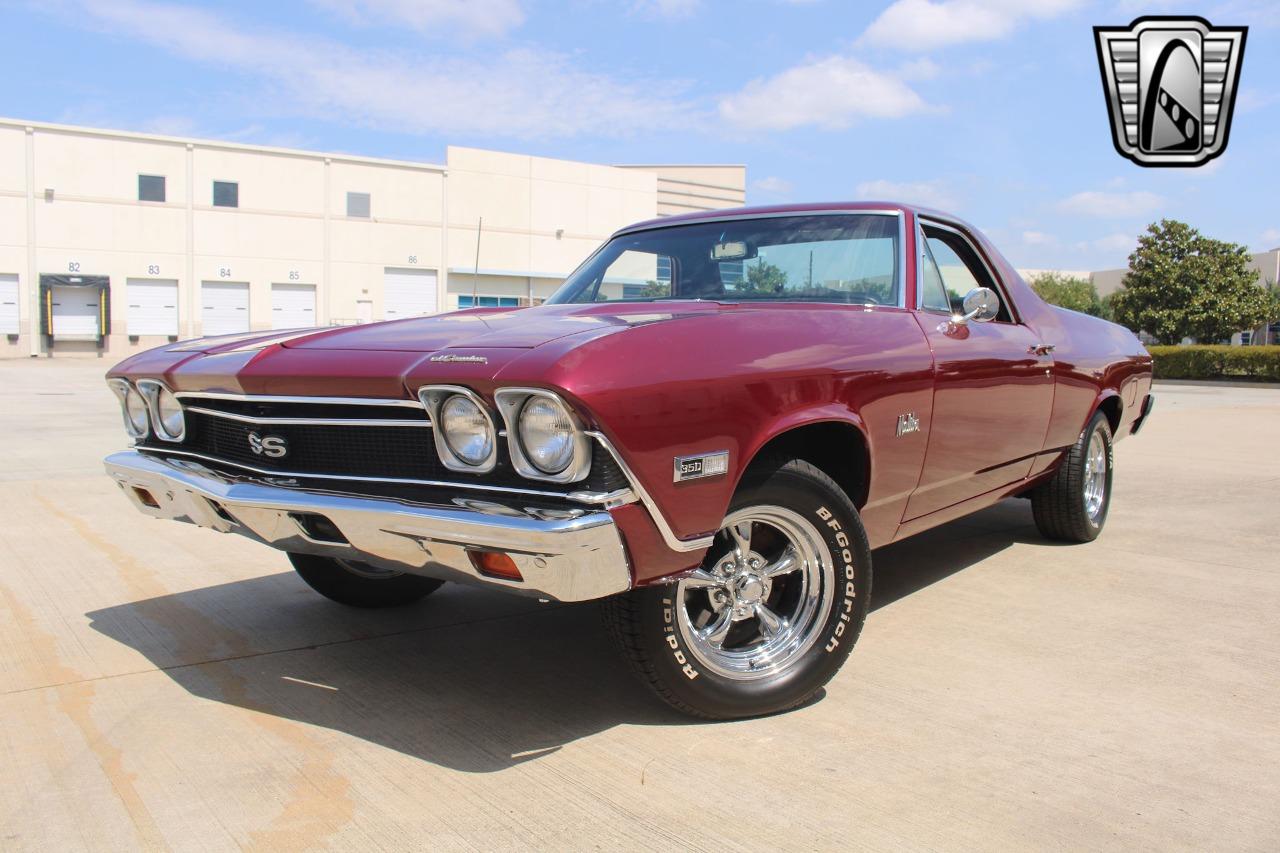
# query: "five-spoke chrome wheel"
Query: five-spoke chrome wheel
{"points": [[1095, 476], [762, 596]]}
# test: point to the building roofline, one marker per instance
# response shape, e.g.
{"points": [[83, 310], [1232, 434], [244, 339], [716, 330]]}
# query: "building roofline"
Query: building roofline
{"points": [[219, 144], [679, 165]]}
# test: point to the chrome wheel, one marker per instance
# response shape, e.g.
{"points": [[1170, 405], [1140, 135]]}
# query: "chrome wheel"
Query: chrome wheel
{"points": [[760, 599], [1095, 476]]}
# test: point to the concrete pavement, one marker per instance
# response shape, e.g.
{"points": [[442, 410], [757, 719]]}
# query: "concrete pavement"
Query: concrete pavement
{"points": [[168, 687]]}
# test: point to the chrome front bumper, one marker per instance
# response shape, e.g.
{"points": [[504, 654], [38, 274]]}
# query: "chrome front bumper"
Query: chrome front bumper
{"points": [[572, 558]]}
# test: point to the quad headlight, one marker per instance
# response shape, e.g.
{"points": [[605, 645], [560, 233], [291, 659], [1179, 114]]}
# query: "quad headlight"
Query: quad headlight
{"points": [[466, 429], [133, 408], [167, 418], [546, 434], [546, 441], [464, 433]]}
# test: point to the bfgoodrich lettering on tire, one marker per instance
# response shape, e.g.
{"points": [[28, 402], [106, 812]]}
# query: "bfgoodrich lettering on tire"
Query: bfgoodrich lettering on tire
{"points": [[772, 612]]}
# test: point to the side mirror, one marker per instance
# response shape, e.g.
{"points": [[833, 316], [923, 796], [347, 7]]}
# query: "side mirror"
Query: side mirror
{"points": [[980, 304]]}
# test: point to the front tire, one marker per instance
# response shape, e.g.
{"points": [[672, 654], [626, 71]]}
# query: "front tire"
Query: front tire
{"points": [[770, 615], [359, 584], [1072, 506]]}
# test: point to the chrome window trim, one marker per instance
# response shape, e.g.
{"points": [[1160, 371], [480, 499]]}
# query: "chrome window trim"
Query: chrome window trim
{"points": [[432, 397], [902, 239], [250, 419], [1001, 290], [150, 390], [122, 388], [511, 402], [323, 401], [660, 521]]}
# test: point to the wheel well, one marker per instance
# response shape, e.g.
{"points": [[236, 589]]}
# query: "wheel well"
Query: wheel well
{"points": [[839, 450], [1112, 407]]}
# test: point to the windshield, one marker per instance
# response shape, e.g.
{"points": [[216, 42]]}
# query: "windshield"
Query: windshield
{"points": [[824, 258]]}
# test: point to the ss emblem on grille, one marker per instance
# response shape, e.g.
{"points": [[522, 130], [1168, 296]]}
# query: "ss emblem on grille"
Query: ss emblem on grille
{"points": [[272, 446]]}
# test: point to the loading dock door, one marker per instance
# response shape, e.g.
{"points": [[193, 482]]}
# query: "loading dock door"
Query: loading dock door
{"points": [[75, 313], [153, 307], [293, 306], [408, 293], [224, 307], [9, 305]]}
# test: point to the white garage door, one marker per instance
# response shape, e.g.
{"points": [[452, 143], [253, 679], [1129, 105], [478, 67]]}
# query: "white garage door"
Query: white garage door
{"points": [[75, 312], [408, 293], [8, 304], [153, 307], [293, 305], [224, 307]]}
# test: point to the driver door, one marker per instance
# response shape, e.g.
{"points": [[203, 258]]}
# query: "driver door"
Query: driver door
{"points": [[993, 393]]}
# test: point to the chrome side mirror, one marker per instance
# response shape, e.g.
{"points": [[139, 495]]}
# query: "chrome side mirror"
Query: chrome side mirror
{"points": [[980, 304]]}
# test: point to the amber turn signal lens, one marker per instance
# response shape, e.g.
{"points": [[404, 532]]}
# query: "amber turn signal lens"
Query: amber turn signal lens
{"points": [[495, 565]]}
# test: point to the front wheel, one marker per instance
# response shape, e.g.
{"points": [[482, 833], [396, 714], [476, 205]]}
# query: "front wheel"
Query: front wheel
{"points": [[360, 584], [1072, 506], [772, 612]]}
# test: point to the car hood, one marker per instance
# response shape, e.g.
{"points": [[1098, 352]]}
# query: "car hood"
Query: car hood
{"points": [[482, 329]]}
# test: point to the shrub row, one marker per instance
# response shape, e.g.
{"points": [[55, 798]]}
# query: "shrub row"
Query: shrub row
{"points": [[1216, 362]]}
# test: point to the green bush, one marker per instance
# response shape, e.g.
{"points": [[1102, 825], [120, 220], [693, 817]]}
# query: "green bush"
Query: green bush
{"points": [[1216, 362]]}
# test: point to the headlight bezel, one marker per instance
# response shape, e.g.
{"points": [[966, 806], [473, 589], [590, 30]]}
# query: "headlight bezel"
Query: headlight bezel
{"points": [[153, 391], [511, 403], [433, 398], [124, 390]]}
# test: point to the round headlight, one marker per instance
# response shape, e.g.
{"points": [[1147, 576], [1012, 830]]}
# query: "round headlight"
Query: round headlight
{"points": [[172, 423], [136, 419], [546, 434], [466, 430]]}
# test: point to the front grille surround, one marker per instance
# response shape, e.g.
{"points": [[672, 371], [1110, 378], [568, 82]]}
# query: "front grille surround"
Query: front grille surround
{"points": [[365, 441]]}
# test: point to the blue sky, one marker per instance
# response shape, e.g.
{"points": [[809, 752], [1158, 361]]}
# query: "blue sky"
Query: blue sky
{"points": [[992, 109]]}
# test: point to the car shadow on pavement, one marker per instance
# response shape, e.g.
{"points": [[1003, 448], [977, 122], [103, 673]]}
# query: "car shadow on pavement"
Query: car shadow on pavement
{"points": [[470, 679]]}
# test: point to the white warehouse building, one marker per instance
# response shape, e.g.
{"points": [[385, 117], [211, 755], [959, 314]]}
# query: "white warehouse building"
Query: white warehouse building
{"points": [[112, 242]]}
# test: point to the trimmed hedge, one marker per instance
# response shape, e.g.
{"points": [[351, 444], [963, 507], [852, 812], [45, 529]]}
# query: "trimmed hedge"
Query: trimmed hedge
{"points": [[1216, 362]]}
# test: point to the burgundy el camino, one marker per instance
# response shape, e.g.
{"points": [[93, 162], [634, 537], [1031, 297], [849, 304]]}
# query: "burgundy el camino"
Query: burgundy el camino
{"points": [[710, 426]]}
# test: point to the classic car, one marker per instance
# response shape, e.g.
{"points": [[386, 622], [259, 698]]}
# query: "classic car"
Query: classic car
{"points": [[710, 426]]}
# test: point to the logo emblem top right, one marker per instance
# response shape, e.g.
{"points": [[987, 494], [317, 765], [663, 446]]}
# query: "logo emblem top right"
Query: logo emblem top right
{"points": [[1171, 86]]}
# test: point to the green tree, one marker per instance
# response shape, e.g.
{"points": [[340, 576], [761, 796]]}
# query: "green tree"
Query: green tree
{"points": [[765, 277], [1078, 294], [1182, 284], [655, 289]]}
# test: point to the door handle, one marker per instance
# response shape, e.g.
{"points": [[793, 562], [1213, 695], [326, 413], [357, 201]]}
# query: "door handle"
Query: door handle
{"points": [[1040, 349]]}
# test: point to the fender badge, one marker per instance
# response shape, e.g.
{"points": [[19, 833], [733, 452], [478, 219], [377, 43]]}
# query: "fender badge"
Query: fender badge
{"points": [[908, 423], [459, 359], [701, 465]]}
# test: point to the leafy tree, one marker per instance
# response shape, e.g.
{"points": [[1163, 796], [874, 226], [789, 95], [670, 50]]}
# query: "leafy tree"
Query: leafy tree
{"points": [[1182, 284], [1078, 294], [655, 289], [765, 277]]}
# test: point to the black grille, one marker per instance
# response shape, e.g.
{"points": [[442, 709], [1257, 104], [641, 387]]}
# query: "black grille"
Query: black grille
{"points": [[327, 410], [395, 452]]}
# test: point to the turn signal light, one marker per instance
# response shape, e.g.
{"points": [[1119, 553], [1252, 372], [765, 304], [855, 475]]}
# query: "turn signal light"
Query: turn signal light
{"points": [[495, 565]]}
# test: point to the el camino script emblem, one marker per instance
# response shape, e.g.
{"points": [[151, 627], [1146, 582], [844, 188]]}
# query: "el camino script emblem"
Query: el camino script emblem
{"points": [[272, 446], [908, 423], [702, 465], [460, 359]]}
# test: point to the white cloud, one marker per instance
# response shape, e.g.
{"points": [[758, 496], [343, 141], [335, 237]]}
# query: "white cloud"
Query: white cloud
{"points": [[1271, 238], [1117, 205], [829, 92], [1116, 242], [666, 9], [1038, 238], [517, 93], [772, 186], [926, 193], [431, 17], [922, 25]]}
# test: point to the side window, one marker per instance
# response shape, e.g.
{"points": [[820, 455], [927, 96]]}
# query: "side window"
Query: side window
{"points": [[961, 269], [933, 294]]}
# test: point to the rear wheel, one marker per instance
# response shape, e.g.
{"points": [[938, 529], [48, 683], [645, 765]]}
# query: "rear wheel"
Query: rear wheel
{"points": [[358, 584], [772, 612], [1073, 505]]}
